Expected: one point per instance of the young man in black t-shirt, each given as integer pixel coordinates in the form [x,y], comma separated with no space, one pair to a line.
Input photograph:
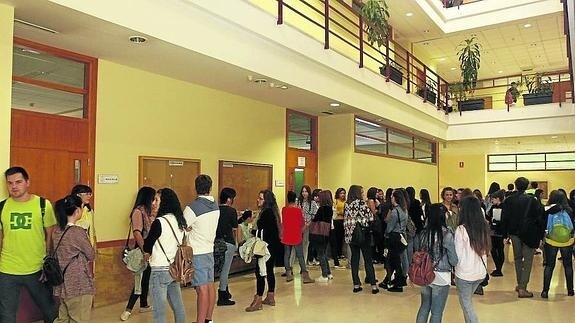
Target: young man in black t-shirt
[227,227]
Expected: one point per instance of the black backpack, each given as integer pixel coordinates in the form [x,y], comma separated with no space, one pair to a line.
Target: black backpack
[220,248]
[52,273]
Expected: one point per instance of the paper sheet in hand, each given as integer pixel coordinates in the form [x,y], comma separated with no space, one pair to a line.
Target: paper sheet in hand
[497,214]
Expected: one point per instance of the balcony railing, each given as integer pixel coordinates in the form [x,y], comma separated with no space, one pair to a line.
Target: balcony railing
[340,28]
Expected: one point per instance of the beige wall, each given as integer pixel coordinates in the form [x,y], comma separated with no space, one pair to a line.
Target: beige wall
[335,151]
[141,113]
[6,34]
[471,175]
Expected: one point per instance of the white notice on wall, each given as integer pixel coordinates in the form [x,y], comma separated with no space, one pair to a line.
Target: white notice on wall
[301,162]
[108,179]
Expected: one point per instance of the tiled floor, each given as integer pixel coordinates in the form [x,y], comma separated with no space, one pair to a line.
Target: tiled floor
[335,302]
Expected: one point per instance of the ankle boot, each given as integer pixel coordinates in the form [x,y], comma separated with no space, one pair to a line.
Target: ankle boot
[223,299]
[256,304]
[228,295]
[270,300]
[289,276]
[306,279]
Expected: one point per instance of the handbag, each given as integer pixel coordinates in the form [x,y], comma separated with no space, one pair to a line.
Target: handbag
[485,281]
[320,228]
[260,247]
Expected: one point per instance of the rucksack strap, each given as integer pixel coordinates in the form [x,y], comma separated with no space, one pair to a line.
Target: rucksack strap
[175,236]
[60,240]
[42,209]
[2,207]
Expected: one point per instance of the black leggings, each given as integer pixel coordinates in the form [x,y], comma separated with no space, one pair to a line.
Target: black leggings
[497,252]
[261,280]
[339,235]
[144,296]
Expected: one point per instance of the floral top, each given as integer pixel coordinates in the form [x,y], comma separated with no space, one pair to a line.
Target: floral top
[356,212]
[309,211]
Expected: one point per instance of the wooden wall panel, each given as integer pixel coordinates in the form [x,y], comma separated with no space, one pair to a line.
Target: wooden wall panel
[114,282]
[40,130]
[247,179]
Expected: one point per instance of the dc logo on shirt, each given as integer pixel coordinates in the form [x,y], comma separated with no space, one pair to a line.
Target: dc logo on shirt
[21,221]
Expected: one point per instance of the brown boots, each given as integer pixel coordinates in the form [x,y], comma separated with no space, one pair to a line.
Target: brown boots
[306,279]
[256,304]
[289,276]
[270,300]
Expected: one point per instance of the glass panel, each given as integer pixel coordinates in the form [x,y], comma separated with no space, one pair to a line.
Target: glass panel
[501,167]
[370,129]
[32,63]
[421,155]
[560,156]
[399,138]
[501,82]
[371,145]
[501,158]
[531,158]
[531,166]
[561,165]
[45,100]
[423,145]
[299,141]
[400,151]
[300,123]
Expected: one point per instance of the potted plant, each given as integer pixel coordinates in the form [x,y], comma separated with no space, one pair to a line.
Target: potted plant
[375,15]
[469,52]
[431,86]
[540,89]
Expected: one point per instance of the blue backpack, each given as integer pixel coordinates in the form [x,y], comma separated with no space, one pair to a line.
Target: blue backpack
[559,227]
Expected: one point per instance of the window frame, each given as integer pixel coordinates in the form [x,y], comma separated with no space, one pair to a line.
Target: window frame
[387,143]
[516,162]
[312,134]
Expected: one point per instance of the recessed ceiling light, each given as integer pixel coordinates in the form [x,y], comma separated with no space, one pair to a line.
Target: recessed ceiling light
[409,14]
[138,39]
[426,31]
[527,25]
[442,59]
[334,104]
[283,87]
[533,44]
[453,68]
[554,137]
[425,43]
[499,72]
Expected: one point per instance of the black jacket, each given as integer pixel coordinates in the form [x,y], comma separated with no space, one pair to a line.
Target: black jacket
[522,216]
[416,214]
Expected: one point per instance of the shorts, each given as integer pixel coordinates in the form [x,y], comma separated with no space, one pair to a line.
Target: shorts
[204,269]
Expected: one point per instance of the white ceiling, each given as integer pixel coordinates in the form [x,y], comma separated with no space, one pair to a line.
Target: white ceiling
[511,145]
[508,49]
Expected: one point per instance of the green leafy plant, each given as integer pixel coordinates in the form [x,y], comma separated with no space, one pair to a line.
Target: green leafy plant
[457,92]
[469,52]
[375,14]
[538,84]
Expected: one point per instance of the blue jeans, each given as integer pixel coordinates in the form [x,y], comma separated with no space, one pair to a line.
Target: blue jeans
[433,298]
[321,249]
[465,290]
[163,287]
[299,254]
[230,252]
[10,286]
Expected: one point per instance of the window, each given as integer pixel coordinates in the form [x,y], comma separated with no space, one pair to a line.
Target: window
[48,82]
[531,162]
[301,131]
[375,138]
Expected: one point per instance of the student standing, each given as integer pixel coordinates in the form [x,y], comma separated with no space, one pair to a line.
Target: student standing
[227,227]
[292,226]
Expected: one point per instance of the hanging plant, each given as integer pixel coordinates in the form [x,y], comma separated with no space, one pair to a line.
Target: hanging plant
[375,14]
[469,52]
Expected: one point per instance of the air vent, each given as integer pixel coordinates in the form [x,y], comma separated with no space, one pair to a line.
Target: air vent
[327,112]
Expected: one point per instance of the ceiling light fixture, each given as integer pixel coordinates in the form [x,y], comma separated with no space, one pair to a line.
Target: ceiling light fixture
[453,68]
[442,59]
[409,14]
[426,31]
[138,39]
[367,123]
[283,87]
[554,137]
[527,25]
[33,25]
[425,43]
[334,104]
[499,72]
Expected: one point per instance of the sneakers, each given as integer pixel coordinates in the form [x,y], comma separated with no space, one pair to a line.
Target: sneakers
[322,279]
[496,273]
[357,289]
[330,277]
[339,267]
[523,293]
[146,309]
[125,316]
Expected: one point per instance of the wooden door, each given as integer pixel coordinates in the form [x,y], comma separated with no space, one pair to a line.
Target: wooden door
[247,179]
[309,168]
[177,174]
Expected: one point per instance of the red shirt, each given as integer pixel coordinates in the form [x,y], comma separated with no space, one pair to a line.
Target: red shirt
[292,225]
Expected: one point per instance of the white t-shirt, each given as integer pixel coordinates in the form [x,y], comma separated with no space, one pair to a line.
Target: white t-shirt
[471,266]
[202,217]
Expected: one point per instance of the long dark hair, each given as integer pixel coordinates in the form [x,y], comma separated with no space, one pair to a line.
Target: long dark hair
[434,229]
[424,196]
[81,188]
[494,187]
[66,207]
[400,199]
[325,198]
[471,217]
[372,193]
[300,199]
[170,204]
[271,203]
[558,198]
[144,199]
[354,193]
[406,197]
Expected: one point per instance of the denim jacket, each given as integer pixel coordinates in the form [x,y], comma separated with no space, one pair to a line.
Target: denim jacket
[449,258]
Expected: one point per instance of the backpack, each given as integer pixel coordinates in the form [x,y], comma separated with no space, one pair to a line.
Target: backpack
[52,273]
[182,268]
[421,268]
[410,228]
[220,248]
[559,227]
